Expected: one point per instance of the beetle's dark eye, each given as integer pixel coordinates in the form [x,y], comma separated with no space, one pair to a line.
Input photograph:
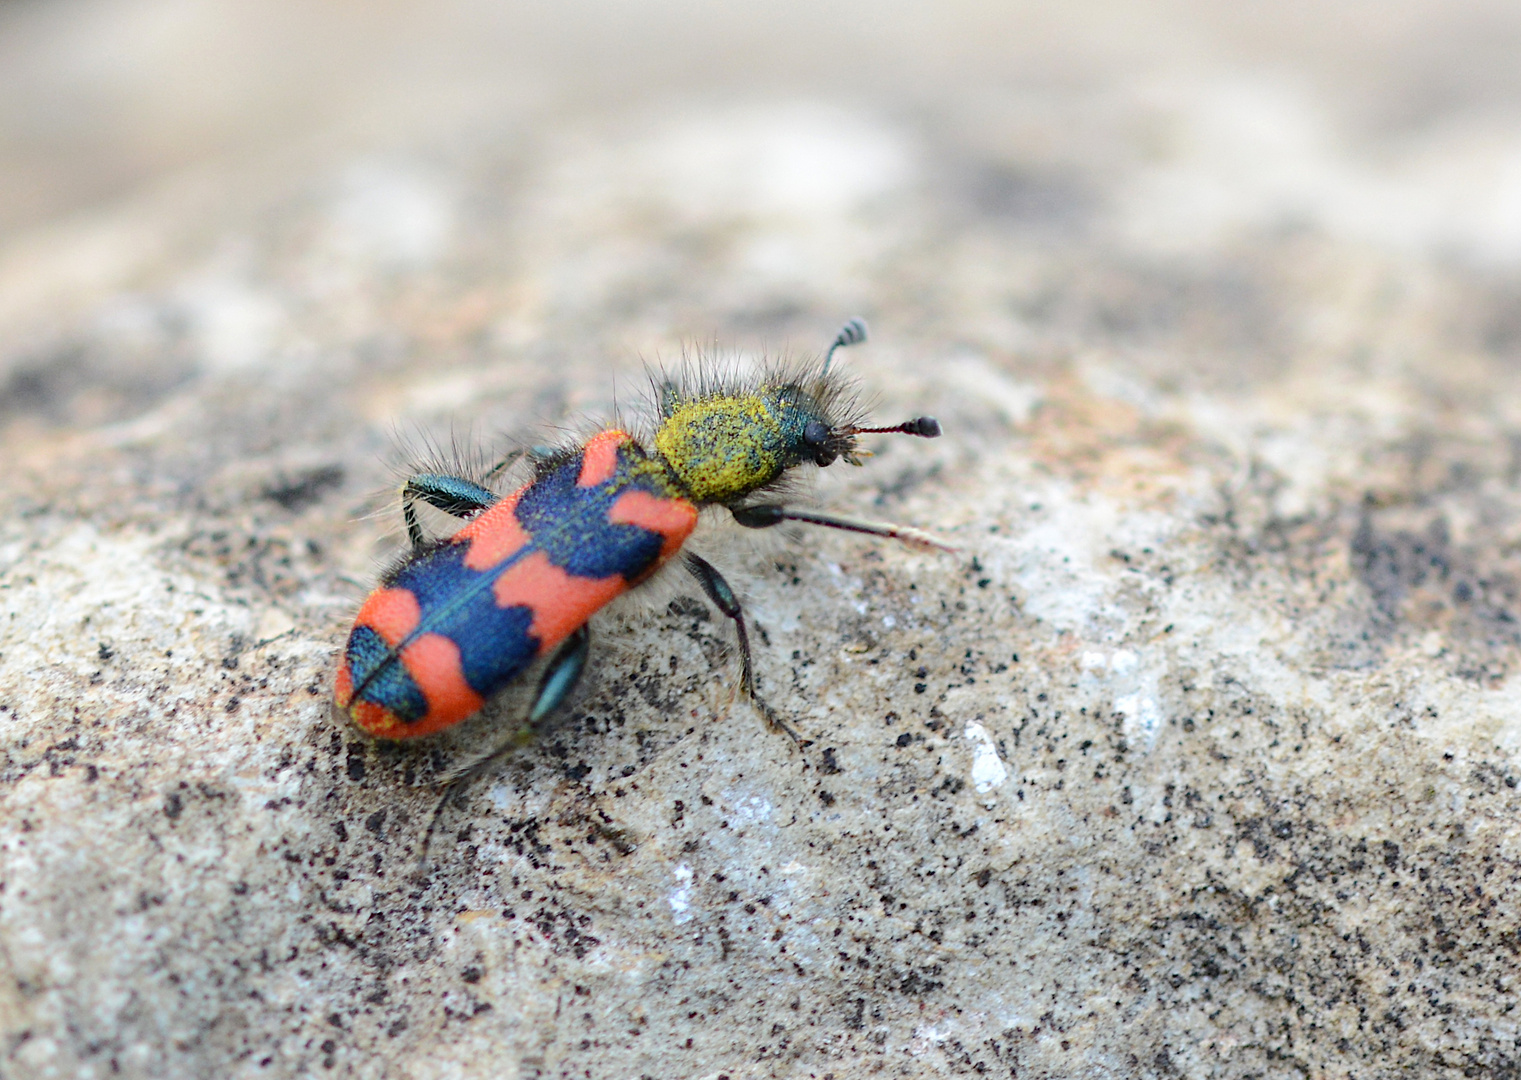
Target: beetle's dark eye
[816,435]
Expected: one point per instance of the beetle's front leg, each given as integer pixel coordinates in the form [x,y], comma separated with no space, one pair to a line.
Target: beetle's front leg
[769,515]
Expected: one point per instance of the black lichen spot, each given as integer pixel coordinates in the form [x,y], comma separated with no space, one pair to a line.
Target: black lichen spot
[302,490]
[856,1020]
[1391,563]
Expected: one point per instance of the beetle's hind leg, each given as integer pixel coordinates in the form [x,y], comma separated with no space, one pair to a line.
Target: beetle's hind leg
[452,494]
[455,495]
[559,679]
[718,591]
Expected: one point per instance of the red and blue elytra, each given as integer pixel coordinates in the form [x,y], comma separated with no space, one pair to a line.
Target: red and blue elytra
[459,619]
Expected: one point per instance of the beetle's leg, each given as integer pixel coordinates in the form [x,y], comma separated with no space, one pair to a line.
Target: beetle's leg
[767,515]
[718,591]
[559,679]
[452,494]
[562,674]
[456,495]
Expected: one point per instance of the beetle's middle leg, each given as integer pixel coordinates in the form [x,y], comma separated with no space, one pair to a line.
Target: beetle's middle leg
[718,591]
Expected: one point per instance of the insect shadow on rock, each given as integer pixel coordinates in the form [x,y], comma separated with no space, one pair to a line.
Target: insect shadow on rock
[458,619]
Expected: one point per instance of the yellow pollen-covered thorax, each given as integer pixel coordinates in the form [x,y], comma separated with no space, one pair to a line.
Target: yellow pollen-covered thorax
[721,447]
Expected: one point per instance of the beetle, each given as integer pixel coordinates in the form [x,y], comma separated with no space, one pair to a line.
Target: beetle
[459,618]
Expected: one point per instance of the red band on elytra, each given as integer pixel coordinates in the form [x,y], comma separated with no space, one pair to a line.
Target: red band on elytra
[391,613]
[599,460]
[494,536]
[433,661]
[560,602]
[673,519]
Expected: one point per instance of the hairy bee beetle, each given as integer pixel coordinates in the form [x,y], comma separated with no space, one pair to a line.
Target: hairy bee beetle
[459,618]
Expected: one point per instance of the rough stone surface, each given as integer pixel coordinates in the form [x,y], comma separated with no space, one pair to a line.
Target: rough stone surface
[1200,760]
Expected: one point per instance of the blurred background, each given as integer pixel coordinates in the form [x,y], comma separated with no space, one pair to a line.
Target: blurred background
[337,218]
[1343,116]
[1155,177]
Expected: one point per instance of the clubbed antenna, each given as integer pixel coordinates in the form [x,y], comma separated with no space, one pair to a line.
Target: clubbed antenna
[926,427]
[852,333]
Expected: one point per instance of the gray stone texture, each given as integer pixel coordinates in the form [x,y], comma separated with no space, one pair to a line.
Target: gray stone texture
[1200,759]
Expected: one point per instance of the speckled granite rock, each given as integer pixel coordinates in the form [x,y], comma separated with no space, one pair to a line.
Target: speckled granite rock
[1201,760]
